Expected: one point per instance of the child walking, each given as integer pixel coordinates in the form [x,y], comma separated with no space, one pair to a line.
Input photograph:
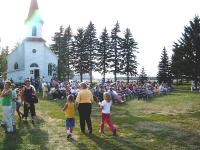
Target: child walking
[19,103]
[105,114]
[70,109]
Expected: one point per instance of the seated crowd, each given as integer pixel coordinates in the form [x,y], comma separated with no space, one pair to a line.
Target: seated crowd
[120,91]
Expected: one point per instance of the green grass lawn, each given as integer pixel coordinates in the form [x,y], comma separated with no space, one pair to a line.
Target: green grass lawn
[165,122]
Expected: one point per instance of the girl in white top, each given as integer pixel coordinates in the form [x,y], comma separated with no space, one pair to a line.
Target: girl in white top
[105,106]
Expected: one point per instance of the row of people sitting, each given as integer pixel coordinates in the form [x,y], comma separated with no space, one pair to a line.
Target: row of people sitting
[120,92]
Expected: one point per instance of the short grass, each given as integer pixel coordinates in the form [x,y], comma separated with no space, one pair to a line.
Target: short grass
[165,122]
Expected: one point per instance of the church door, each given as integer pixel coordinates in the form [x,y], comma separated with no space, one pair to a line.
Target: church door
[36,73]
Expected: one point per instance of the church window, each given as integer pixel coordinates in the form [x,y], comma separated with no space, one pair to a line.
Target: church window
[31,72]
[16,66]
[34,50]
[50,69]
[34,31]
[34,65]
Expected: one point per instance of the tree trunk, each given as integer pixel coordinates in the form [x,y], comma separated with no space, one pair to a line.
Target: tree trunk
[127,77]
[115,76]
[81,77]
[91,76]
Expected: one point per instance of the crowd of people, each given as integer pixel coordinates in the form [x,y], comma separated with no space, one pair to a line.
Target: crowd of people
[120,91]
[12,98]
[79,96]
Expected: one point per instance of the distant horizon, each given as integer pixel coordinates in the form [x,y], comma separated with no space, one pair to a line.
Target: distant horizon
[154,24]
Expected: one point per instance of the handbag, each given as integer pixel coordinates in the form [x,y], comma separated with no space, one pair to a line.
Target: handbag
[34,99]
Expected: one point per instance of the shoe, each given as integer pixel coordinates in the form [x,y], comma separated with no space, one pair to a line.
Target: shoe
[101,132]
[82,131]
[14,127]
[69,136]
[90,131]
[25,119]
[9,132]
[114,132]
[3,125]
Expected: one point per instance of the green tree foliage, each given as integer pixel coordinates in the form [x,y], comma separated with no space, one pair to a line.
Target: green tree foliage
[91,42]
[189,47]
[80,55]
[104,53]
[84,53]
[164,69]
[143,76]
[62,47]
[128,64]
[3,61]
[68,53]
[115,50]
[178,66]
[58,49]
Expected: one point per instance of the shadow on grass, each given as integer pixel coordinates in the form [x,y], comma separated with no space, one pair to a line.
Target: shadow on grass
[26,136]
[170,134]
[116,143]
[80,145]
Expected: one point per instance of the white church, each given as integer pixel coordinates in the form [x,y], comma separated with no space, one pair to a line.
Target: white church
[32,58]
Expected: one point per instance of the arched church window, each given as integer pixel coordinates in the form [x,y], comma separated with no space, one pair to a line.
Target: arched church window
[50,69]
[34,65]
[34,31]
[16,66]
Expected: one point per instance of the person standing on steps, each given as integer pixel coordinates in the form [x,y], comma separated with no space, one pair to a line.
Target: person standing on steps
[28,90]
[84,101]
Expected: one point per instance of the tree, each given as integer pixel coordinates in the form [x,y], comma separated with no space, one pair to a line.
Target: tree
[91,42]
[68,52]
[191,49]
[178,66]
[58,48]
[80,56]
[164,72]
[143,76]
[103,54]
[128,64]
[115,50]
[3,61]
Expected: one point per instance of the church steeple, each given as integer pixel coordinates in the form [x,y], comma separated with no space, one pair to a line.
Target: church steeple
[34,21]
[33,8]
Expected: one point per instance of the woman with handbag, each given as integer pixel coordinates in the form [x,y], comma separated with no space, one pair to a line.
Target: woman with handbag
[29,100]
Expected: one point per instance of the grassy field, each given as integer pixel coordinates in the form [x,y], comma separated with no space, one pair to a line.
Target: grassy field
[164,123]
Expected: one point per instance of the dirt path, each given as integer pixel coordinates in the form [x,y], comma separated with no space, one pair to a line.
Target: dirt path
[57,139]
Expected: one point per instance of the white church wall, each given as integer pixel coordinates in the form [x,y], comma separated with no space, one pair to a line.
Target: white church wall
[17,76]
[50,57]
[17,56]
[37,57]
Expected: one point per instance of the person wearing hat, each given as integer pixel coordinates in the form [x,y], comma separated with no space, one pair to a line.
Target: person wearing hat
[27,92]
[6,94]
